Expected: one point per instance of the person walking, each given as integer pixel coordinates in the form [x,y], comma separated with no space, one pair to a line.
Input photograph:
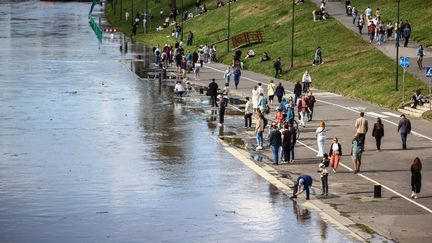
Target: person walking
[262,102]
[297,91]
[306,80]
[378,133]
[227,75]
[286,143]
[271,88]
[420,55]
[320,134]
[259,130]
[404,128]
[223,103]
[361,126]
[278,67]
[415,177]
[311,103]
[356,152]
[212,89]
[322,169]
[303,108]
[280,92]
[335,154]
[275,142]
[360,23]
[318,57]
[237,73]
[303,183]
[248,113]
[260,89]
[406,33]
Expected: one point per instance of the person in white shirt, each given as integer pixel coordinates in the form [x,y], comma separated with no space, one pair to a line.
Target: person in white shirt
[260,89]
[248,113]
[306,80]
[179,89]
[227,75]
[321,137]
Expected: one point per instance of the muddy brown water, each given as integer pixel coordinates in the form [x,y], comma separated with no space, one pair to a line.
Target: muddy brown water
[90,153]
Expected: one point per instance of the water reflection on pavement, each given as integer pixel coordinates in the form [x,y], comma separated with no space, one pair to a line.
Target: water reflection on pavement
[89,153]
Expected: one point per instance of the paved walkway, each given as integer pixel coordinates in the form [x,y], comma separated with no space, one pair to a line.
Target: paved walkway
[337,11]
[395,215]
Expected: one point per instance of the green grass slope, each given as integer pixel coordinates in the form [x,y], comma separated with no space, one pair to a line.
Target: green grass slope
[417,12]
[352,67]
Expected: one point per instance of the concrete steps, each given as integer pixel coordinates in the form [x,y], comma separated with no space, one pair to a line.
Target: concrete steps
[418,112]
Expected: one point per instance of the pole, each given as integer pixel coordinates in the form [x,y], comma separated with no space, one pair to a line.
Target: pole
[182,30]
[397,45]
[430,95]
[147,13]
[292,36]
[403,86]
[229,22]
[121,9]
[132,14]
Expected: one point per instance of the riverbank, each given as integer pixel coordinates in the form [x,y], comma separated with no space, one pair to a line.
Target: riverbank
[352,67]
[394,215]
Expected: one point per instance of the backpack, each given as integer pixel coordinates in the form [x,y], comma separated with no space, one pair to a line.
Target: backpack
[406,32]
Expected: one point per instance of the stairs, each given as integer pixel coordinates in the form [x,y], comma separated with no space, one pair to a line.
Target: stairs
[418,112]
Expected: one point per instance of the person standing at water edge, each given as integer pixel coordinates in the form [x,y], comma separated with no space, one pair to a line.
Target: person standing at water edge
[248,113]
[415,177]
[303,183]
[361,125]
[213,88]
[404,128]
[223,103]
[275,142]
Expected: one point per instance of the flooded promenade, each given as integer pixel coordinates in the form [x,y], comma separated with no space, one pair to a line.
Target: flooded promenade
[91,153]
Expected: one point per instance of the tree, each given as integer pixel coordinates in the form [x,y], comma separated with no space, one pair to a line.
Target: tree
[173,3]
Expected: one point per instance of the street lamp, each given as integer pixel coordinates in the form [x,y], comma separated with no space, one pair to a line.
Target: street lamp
[292,36]
[182,17]
[229,22]
[146,15]
[397,44]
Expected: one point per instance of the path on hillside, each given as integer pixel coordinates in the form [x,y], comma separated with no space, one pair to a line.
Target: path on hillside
[352,194]
[337,11]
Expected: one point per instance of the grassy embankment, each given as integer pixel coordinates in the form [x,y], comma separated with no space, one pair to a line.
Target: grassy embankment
[417,12]
[352,67]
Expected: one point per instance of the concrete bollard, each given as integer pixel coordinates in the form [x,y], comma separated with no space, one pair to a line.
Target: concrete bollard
[201,90]
[377,191]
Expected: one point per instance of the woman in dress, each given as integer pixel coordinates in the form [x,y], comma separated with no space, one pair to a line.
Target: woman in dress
[320,134]
[255,96]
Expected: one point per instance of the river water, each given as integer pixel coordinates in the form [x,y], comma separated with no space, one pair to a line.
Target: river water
[91,153]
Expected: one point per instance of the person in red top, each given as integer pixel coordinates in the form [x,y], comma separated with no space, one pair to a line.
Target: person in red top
[371,31]
[279,117]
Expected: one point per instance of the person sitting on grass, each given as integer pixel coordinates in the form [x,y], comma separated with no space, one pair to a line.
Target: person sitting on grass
[265,57]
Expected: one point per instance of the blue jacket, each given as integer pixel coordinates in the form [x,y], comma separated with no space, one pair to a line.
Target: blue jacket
[307,180]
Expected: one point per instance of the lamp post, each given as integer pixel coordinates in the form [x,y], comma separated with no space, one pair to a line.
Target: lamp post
[292,36]
[229,22]
[397,44]
[182,29]
[132,14]
[146,15]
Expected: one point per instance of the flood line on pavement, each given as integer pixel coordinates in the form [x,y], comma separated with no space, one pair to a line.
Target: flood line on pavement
[345,166]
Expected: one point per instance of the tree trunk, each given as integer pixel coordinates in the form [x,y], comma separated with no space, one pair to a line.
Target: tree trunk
[173,3]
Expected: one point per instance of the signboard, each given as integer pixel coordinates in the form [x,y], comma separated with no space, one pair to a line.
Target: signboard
[404,62]
[428,72]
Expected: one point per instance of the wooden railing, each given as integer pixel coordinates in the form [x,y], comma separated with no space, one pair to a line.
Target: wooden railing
[247,38]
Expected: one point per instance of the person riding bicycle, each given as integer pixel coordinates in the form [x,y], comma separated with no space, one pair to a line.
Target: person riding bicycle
[420,55]
[307,81]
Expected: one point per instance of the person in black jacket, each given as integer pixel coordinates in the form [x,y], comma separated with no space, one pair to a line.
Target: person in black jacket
[415,177]
[277,66]
[280,92]
[213,88]
[297,91]
[378,133]
[223,103]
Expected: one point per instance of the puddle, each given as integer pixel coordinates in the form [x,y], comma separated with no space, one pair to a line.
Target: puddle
[234,141]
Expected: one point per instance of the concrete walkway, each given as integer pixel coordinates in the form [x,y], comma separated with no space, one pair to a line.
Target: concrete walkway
[336,10]
[395,215]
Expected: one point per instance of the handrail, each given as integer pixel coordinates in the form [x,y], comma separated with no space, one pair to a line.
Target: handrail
[96,28]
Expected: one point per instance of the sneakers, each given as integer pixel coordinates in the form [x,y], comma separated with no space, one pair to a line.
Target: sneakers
[334,171]
[413,195]
[259,148]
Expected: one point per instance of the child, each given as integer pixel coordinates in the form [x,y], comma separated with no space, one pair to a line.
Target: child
[324,174]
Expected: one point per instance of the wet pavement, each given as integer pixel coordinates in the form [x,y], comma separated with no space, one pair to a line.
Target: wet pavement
[91,153]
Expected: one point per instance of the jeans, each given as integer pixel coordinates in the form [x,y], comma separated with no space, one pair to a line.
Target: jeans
[404,139]
[310,114]
[324,182]
[286,152]
[278,72]
[275,151]
[259,138]
[378,142]
[236,80]
[292,150]
[248,120]
[213,101]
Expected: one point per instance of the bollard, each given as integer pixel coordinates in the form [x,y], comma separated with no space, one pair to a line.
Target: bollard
[377,191]
[164,73]
[201,90]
